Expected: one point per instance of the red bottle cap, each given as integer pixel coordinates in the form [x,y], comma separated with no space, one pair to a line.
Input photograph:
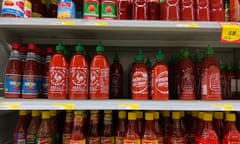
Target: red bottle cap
[32,47]
[50,50]
[16,45]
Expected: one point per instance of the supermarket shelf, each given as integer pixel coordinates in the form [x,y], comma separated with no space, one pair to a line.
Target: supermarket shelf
[114,33]
[45,104]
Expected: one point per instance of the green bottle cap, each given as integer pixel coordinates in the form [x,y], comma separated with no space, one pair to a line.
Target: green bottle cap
[116,59]
[210,51]
[198,56]
[148,63]
[222,67]
[60,46]
[100,47]
[160,56]
[185,53]
[140,56]
[79,47]
[229,67]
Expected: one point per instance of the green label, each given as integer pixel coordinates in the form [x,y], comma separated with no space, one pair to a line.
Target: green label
[31,139]
[91,9]
[109,10]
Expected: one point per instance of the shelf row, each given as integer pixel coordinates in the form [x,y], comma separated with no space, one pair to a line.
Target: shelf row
[192,105]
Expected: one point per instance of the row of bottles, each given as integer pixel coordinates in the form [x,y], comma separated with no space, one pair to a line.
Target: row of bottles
[199,10]
[58,77]
[81,127]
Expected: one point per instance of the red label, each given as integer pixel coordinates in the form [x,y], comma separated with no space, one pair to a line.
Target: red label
[140,85]
[66,138]
[78,141]
[128,141]
[107,140]
[44,141]
[144,141]
[94,140]
[187,84]
[177,140]
[160,82]
[211,86]
[207,141]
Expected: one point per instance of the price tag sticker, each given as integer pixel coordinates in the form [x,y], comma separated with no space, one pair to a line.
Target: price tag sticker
[191,25]
[129,106]
[98,23]
[230,33]
[10,106]
[64,22]
[64,106]
[225,107]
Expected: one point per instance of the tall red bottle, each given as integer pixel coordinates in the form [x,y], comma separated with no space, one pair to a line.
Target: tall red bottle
[187,10]
[99,75]
[33,128]
[158,128]
[170,10]
[132,135]
[139,10]
[13,76]
[187,77]
[107,136]
[49,54]
[153,9]
[210,73]
[20,132]
[123,9]
[139,83]
[67,130]
[58,75]
[121,127]
[78,75]
[218,124]
[202,12]
[197,66]
[216,10]
[149,133]
[78,135]
[231,133]
[116,79]
[94,128]
[165,123]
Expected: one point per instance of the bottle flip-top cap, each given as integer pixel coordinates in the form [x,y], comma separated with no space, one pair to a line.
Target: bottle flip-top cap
[16,45]
[35,113]
[156,115]
[45,115]
[176,115]
[60,46]
[230,117]
[209,51]
[79,47]
[160,55]
[116,59]
[207,117]
[122,114]
[218,115]
[149,116]
[132,116]
[100,47]
[186,53]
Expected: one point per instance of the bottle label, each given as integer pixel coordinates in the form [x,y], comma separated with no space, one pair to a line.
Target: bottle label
[78,80]
[31,139]
[177,140]
[19,138]
[13,84]
[94,119]
[187,83]
[160,81]
[128,141]
[94,140]
[57,80]
[107,140]
[99,81]
[15,7]
[91,9]
[30,84]
[78,120]
[44,140]
[140,83]
[211,87]
[66,9]
[119,140]
[66,138]
[27,9]
[144,141]
[233,85]
[108,118]
[207,141]
[83,141]
[108,10]
[115,81]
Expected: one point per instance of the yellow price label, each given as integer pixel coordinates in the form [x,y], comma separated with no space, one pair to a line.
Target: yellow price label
[193,25]
[11,106]
[129,106]
[70,23]
[99,23]
[225,107]
[65,106]
[230,33]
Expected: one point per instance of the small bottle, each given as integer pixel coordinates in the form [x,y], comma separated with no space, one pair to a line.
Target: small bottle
[158,128]
[197,66]
[67,130]
[45,134]
[187,10]
[121,127]
[37,8]
[139,122]
[149,133]
[78,134]
[33,128]
[217,10]
[107,129]
[132,135]
[139,10]
[218,124]
[165,125]
[20,132]
[123,9]
[94,128]
[13,76]
[91,9]
[66,9]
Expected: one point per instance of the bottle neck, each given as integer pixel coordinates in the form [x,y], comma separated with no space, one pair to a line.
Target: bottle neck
[132,126]
[69,118]
[229,125]
[149,124]
[208,125]
[177,123]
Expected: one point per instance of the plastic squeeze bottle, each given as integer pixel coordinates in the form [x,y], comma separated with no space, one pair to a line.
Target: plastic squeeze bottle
[107,136]
[149,133]
[33,127]
[121,127]
[78,134]
[20,132]
[218,124]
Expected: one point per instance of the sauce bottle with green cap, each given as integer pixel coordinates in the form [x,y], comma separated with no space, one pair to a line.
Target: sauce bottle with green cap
[99,75]
[78,75]
[198,57]
[210,74]
[58,74]
[187,77]
[139,82]
[116,79]
[160,78]
[223,80]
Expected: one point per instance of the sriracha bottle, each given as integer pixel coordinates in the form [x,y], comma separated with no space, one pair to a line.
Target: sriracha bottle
[121,127]
[139,10]
[99,75]
[210,74]
[123,9]
[67,130]
[231,133]
[170,10]
[218,124]
[58,75]
[107,129]
[33,128]
[187,10]
[94,128]
[158,128]
[187,77]
[217,10]
[139,84]
[149,132]
[202,12]
[45,134]
[132,135]
[78,75]
[20,132]
[78,133]
[13,80]
[116,79]
[160,78]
